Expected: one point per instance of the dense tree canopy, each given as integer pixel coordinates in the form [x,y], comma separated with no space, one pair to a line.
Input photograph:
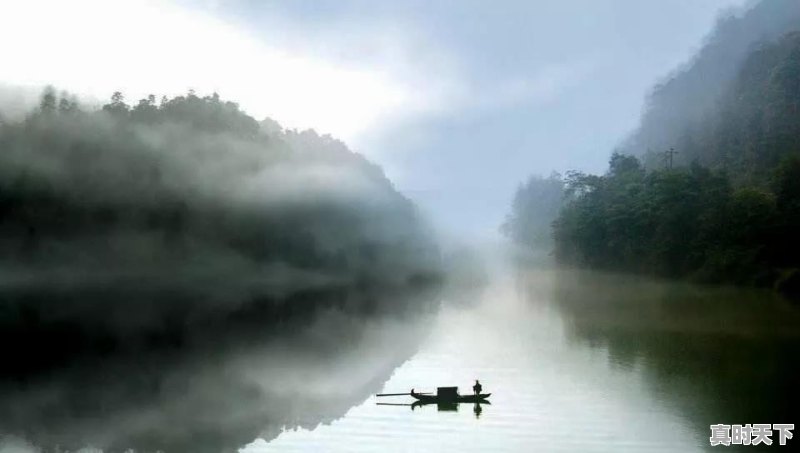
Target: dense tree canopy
[688,221]
[724,207]
[192,180]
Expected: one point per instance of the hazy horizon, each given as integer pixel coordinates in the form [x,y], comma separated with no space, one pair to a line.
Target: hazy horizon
[357,225]
[458,103]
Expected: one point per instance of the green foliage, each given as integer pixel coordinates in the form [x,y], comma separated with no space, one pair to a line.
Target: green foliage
[685,222]
[195,180]
[47,103]
[787,185]
[728,210]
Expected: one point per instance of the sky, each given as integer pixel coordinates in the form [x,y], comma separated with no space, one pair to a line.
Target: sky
[458,100]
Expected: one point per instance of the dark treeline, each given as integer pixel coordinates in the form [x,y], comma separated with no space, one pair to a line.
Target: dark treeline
[194,181]
[725,205]
[176,265]
[147,229]
[683,222]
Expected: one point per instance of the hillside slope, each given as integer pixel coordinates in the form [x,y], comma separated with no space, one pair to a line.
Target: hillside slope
[194,184]
[679,107]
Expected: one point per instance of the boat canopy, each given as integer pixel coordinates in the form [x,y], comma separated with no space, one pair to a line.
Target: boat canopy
[447,392]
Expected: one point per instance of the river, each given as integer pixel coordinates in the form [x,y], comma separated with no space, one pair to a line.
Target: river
[583,362]
[575,361]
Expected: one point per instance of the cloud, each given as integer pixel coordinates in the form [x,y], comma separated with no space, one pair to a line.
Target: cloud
[543,86]
[95,47]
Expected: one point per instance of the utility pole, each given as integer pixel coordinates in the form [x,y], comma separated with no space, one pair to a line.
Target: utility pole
[668,155]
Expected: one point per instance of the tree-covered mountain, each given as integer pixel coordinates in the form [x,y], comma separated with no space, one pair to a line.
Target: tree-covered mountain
[162,228]
[193,185]
[758,119]
[695,94]
[724,204]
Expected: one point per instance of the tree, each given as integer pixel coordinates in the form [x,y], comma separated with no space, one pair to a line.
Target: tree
[48,101]
[67,104]
[117,106]
[146,110]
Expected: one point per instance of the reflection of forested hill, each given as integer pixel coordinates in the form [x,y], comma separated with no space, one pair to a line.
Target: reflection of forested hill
[176,276]
[722,355]
[208,379]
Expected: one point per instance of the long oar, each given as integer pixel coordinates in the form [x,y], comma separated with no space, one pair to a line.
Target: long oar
[400,394]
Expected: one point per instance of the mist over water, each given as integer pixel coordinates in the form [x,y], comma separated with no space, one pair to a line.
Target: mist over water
[179,275]
[580,361]
[575,361]
[209,383]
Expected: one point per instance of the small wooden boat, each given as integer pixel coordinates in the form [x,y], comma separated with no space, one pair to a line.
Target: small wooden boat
[449,395]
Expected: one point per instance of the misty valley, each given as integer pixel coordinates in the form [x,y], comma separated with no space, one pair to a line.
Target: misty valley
[324,227]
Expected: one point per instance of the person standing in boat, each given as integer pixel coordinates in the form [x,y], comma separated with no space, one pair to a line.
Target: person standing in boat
[477,387]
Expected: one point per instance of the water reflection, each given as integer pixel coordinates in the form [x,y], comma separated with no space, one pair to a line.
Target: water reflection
[477,410]
[207,379]
[575,362]
[452,407]
[720,355]
[582,362]
[440,406]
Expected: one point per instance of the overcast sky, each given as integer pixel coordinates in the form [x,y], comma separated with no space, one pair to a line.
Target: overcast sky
[458,100]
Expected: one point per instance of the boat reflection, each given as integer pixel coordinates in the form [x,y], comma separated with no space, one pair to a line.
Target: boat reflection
[442,406]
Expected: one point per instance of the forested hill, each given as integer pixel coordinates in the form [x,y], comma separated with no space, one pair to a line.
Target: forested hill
[725,205]
[758,118]
[681,107]
[193,188]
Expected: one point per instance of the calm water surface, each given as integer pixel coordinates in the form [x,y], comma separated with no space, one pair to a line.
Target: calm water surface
[575,362]
[581,362]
